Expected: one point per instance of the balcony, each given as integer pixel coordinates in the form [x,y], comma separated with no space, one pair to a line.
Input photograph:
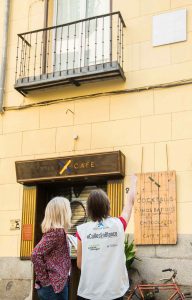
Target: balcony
[70,54]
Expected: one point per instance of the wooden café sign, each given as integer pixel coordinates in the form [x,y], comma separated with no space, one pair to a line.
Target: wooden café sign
[110,164]
[155,209]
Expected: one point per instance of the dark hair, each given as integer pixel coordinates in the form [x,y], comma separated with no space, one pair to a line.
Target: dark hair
[98,205]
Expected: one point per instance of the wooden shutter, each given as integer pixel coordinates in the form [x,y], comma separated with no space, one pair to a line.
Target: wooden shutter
[115,194]
[28,221]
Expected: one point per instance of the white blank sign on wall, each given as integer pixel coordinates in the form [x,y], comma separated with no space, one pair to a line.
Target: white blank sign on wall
[170,27]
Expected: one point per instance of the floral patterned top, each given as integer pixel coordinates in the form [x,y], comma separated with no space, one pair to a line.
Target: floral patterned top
[51,259]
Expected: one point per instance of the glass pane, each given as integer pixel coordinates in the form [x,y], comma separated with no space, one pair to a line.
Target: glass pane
[68,11]
[81,44]
[97,7]
[97,32]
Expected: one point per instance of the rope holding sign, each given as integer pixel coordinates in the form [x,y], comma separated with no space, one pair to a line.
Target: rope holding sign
[167,158]
[142,159]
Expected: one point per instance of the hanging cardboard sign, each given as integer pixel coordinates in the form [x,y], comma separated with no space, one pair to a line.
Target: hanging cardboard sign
[155,209]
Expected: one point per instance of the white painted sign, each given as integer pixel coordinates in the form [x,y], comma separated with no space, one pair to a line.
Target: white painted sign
[170,27]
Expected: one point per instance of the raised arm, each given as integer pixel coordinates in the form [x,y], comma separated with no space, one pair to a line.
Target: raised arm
[129,200]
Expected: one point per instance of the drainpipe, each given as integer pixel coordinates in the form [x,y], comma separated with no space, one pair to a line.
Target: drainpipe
[4,52]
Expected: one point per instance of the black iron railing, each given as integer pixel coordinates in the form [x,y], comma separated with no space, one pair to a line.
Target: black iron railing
[67,49]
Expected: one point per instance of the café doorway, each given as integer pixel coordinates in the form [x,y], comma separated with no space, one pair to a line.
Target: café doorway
[77,193]
[72,177]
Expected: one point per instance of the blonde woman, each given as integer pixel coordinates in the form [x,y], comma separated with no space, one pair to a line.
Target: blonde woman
[51,255]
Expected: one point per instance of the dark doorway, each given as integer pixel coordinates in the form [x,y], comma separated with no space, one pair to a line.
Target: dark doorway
[72,191]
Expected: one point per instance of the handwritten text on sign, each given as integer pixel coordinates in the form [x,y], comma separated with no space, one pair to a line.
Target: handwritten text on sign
[155,209]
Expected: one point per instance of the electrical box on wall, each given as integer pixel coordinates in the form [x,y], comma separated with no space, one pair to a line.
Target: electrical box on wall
[15,224]
[170,27]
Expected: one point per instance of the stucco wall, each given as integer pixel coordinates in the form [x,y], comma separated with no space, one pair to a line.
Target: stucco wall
[149,119]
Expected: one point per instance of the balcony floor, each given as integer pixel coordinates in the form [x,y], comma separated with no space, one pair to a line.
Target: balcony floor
[75,76]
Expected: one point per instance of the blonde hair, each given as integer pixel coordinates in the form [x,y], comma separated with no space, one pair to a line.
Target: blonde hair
[57,214]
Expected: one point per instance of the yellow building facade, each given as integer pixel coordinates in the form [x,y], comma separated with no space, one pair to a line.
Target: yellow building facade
[148,117]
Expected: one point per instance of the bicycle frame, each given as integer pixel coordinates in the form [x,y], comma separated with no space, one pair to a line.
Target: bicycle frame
[141,288]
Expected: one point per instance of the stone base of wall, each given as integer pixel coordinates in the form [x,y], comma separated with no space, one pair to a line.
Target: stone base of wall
[156,258]
[15,279]
[16,275]
[16,289]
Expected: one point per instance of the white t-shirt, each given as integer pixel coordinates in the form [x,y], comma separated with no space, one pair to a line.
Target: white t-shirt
[103,271]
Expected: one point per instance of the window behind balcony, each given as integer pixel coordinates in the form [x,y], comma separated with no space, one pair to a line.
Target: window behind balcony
[84,43]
